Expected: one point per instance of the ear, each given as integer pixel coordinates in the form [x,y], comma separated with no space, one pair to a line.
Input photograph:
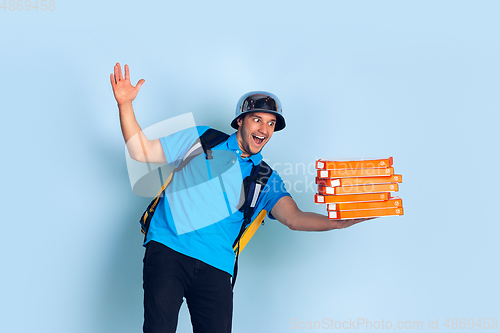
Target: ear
[239,121]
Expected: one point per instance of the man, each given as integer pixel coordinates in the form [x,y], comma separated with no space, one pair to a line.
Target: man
[195,260]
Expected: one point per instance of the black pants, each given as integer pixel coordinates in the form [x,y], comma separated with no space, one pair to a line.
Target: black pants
[169,277]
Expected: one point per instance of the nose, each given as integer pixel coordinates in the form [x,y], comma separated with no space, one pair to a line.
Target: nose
[263,128]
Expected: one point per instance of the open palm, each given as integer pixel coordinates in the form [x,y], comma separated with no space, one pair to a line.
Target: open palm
[345,223]
[123,90]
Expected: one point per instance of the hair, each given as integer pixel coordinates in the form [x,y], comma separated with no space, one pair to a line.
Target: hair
[242,117]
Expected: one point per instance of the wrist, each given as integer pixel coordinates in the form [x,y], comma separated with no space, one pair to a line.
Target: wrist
[337,224]
[126,108]
[124,104]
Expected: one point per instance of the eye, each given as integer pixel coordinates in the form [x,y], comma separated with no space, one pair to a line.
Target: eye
[256,119]
[271,123]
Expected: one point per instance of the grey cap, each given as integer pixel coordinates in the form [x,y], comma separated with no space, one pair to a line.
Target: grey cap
[260,101]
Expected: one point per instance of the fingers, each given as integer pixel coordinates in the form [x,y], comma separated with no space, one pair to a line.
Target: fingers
[118,72]
[118,76]
[355,221]
[346,223]
[139,84]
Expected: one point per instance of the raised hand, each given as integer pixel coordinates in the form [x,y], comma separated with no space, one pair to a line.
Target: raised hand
[123,90]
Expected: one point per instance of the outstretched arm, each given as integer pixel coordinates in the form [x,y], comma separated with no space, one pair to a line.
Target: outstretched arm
[287,212]
[139,147]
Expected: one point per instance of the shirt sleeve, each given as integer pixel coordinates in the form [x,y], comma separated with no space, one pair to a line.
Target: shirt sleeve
[176,145]
[275,190]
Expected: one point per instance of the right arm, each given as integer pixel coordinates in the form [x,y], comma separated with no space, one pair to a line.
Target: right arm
[139,147]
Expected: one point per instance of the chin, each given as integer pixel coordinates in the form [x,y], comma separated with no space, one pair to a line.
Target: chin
[257,150]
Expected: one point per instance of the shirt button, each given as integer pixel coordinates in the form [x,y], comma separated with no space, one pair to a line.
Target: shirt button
[234,161]
[237,152]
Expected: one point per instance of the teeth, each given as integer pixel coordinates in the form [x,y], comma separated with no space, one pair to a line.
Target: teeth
[259,137]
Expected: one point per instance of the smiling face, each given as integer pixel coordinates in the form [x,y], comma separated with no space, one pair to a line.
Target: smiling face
[255,130]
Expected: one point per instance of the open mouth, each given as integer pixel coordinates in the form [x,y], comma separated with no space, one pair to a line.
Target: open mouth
[258,139]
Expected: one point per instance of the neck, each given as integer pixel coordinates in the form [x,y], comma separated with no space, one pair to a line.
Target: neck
[239,140]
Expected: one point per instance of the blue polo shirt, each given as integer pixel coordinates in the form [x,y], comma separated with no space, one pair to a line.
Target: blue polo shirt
[199,215]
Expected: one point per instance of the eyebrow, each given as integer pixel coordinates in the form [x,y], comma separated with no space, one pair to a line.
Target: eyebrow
[274,119]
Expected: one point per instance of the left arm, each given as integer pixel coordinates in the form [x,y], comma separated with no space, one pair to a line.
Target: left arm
[287,212]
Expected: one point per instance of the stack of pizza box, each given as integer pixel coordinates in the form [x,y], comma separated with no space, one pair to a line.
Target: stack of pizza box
[358,189]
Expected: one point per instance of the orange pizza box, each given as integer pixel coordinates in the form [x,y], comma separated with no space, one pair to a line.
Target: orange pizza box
[366,172]
[354,214]
[332,182]
[323,199]
[369,188]
[360,164]
[391,203]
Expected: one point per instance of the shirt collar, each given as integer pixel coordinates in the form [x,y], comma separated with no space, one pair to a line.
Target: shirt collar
[232,144]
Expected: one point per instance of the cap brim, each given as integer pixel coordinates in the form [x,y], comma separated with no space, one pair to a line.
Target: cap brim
[280,121]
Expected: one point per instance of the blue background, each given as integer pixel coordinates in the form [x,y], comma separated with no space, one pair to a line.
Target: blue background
[417,80]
